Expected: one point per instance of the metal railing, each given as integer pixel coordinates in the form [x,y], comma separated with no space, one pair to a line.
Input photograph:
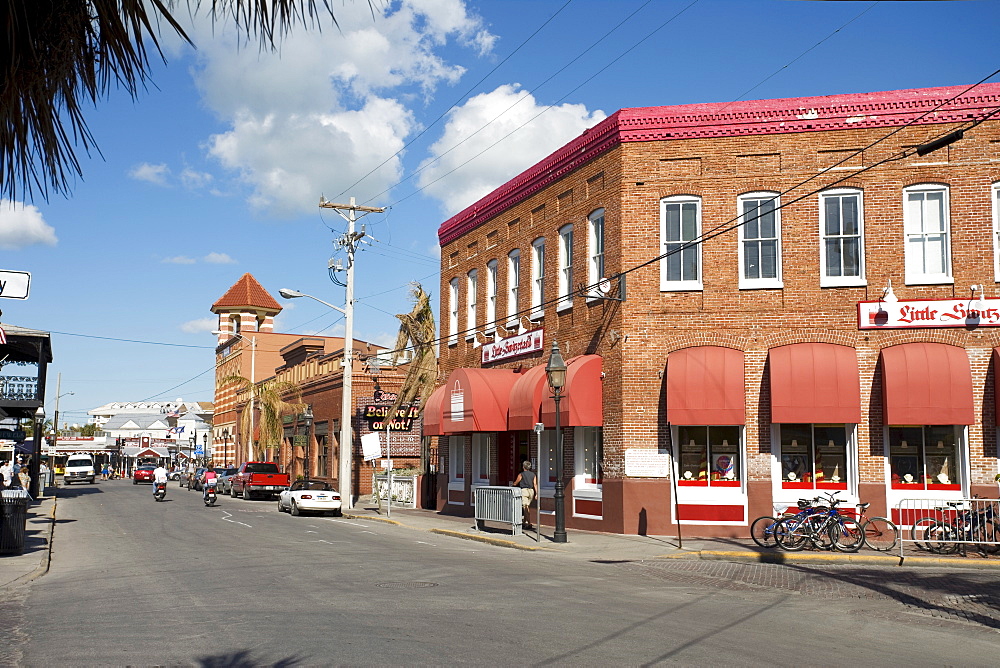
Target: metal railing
[949,526]
[499,504]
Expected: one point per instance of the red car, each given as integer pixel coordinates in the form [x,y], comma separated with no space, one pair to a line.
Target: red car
[143,474]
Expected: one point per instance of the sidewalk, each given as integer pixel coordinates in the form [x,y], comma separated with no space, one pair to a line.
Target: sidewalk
[16,569]
[595,546]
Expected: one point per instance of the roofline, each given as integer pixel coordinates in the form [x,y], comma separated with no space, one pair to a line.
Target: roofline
[727,119]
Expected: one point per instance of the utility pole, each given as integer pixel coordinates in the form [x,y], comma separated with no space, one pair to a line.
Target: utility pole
[349,242]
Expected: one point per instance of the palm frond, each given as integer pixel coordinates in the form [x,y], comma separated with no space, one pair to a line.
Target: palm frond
[417,327]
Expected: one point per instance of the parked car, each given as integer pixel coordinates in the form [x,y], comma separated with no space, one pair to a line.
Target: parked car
[258,479]
[313,496]
[175,474]
[143,474]
[225,486]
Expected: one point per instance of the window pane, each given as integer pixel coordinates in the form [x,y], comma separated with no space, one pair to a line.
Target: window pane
[852,257]
[934,212]
[724,445]
[833,258]
[751,259]
[767,219]
[769,259]
[689,223]
[672,222]
[752,226]
[796,453]
[689,257]
[694,453]
[831,206]
[849,215]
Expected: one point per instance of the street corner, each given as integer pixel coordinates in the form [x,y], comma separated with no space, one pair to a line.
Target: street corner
[374,518]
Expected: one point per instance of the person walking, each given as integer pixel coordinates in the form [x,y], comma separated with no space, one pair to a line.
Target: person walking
[6,475]
[527,481]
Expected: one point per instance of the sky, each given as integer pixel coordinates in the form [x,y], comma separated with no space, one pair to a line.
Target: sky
[421,107]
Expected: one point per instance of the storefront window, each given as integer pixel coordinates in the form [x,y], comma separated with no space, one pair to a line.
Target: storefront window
[456,458]
[709,456]
[814,456]
[547,459]
[588,456]
[924,458]
[481,459]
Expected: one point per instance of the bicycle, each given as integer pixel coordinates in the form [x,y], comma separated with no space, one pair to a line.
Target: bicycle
[976,527]
[880,534]
[826,529]
[762,528]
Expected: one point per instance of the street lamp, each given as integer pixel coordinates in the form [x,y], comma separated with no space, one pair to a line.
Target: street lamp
[204,447]
[307,418]
[36,455]
[347,396]
[253,379]
[556,372]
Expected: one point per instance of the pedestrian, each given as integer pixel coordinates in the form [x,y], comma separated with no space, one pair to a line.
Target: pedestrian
[6,474]
[104,472]
[527,481]
[24,477]
[15,471]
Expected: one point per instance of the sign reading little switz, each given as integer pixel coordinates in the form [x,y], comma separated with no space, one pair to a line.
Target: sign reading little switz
[514,346]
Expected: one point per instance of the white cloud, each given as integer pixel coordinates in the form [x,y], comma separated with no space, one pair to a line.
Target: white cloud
[493,157]
[200,325]
[219,258]
[155,174]
[329,106]
[194,180]
[23,225]
[178,259]
[435,250]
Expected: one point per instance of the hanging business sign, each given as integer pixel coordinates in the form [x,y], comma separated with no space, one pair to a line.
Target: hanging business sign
[924,313]
[514,346]
[401,421]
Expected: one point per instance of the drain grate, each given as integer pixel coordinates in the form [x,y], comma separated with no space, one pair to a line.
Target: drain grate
[406,585]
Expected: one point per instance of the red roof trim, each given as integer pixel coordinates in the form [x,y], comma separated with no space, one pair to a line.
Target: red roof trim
[717,119]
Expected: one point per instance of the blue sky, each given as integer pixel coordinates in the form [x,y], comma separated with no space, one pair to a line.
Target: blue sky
[217,168]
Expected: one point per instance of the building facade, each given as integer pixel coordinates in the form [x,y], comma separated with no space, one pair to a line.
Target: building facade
[770,299]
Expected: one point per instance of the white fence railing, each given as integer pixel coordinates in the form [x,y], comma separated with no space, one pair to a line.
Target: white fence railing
[402,493]
[499,504]
[947,526]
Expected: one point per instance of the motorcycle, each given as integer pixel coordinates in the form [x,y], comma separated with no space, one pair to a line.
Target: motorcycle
[159,490]
[210,494]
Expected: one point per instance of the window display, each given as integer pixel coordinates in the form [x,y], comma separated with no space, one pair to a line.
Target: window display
[814,456]
[924,458]
[709,456]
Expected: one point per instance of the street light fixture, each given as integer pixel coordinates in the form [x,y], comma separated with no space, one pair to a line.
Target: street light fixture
[556,372]
[253,380]
[347,396]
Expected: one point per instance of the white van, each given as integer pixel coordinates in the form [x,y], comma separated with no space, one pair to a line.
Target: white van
[79,467]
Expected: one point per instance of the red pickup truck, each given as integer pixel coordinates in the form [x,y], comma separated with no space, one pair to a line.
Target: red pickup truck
[258,479]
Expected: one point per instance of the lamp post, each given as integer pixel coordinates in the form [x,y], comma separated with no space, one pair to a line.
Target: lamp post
[556,372]
[204,447]
[347,396]
[253,380]
[307,418]
[36,455]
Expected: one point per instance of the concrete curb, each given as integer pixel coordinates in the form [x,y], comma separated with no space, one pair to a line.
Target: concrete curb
[375,518]
[488,539]
[855,559]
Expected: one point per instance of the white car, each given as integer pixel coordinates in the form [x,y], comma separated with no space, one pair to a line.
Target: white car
[309,496]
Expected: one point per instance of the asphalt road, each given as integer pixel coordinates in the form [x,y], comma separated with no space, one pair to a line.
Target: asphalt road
[134,582]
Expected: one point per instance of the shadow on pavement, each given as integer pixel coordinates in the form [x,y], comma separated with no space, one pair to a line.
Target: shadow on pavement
[74,491]
[244,659]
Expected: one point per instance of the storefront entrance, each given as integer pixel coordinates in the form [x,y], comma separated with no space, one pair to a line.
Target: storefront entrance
[512,449]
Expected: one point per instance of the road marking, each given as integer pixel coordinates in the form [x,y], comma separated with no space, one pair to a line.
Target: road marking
[234,521]
[341,521]
[422,542]
[312,532]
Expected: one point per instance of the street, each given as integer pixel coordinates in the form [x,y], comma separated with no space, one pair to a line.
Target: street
[134,582]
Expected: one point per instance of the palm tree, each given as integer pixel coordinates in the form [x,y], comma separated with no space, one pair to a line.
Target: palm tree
[268,399]
[416,327]
[58,56]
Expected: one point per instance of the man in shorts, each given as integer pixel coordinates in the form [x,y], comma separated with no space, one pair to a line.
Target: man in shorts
[527,481]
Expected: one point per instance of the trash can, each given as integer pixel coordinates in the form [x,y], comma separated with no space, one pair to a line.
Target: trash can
[13,520]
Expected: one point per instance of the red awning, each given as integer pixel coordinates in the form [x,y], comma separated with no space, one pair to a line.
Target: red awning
[526,399]
[477,400]
[432,413]
[815,382]
[927,383]
[705,386]
[582,404]
[996,385]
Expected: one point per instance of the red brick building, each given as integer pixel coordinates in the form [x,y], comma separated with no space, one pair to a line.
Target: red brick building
[789,309]
[248,347]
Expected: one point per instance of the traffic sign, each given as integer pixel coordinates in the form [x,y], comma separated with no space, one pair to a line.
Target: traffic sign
[14,284]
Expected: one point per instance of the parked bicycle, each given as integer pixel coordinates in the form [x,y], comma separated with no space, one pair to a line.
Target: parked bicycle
[878,533]
[955,528]
[826,529]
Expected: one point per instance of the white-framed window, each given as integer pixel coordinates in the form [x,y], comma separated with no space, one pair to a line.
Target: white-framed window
[513,284]
[537,278]
[709,456]
[588,446]
[680,225]
[456,458]
[996,231]
[547,459]
[565,267]
[481,459]
[923,458]
[471,297]
[926,227]
[595,252]
[453,312]
[817,456]
[842,241]
[760,240]
[491,295]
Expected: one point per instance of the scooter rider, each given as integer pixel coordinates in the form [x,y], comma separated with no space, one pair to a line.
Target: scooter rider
[159,476]
[208,478]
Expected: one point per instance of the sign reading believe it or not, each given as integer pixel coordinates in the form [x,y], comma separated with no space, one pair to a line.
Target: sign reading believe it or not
[922,313]
[401,421]
[514,346]
[646,463]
